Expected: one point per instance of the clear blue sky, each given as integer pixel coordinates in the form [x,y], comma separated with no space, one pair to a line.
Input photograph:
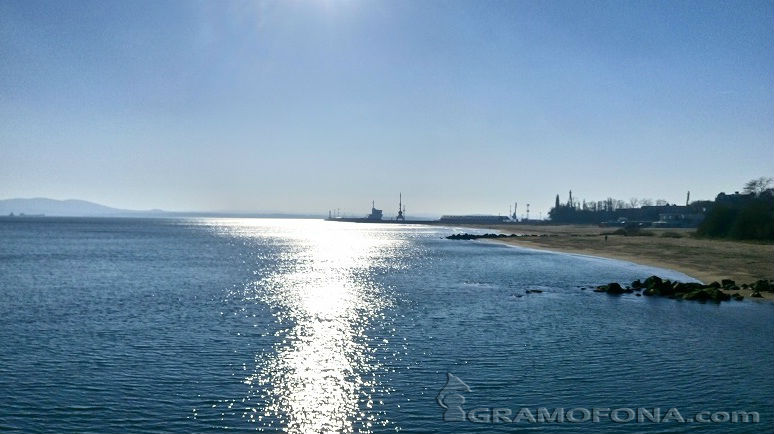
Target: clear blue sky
[303,106]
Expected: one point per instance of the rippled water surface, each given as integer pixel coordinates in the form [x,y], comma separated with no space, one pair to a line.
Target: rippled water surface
[207,325]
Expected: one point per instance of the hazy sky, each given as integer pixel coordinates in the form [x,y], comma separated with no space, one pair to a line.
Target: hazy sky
[303,106]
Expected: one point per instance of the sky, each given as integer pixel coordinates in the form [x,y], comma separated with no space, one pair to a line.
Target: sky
[306,106]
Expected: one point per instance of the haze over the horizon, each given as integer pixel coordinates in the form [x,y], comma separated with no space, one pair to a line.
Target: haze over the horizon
[307,106]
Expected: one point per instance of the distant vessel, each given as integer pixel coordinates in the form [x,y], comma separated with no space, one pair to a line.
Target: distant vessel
[376,214]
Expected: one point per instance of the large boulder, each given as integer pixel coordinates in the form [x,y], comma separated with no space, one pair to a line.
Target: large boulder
[707,294]
[727,283]
[652,282]
[610,288]
[662,287]
[763,286]
[680,288]
[614,288]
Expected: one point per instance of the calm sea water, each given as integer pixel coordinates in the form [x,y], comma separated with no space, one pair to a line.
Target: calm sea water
[208,325]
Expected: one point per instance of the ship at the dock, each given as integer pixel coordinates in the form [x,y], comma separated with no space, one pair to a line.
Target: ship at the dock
[377,215]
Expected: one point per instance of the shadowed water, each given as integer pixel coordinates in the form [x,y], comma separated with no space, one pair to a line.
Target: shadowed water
[205,325]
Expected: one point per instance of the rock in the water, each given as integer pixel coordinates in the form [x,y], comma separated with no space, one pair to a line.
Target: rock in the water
[652,282]
[707,294]
[533,291]
[680,287]
[727,283]
[612,288]
[763,285]
[756,294]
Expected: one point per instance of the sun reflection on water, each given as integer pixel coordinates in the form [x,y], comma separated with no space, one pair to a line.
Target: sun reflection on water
[321,374]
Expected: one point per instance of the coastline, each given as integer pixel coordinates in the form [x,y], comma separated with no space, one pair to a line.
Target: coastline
[702,259]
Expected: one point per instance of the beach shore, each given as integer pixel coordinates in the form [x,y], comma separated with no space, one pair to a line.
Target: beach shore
[703,259]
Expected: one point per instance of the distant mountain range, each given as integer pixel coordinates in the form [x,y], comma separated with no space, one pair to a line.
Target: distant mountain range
[82,208]
[67,208]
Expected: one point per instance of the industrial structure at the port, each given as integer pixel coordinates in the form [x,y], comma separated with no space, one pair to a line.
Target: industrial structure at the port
[376,216]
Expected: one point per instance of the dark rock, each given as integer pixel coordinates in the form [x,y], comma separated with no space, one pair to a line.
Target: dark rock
[614,288]
[698,294]
[662,287]
[467,236]
[763,285]
[652,282]
[680,287]
[707,294]
[714,285]
[533,291]
[719,296]
[638,294]
[727,283]
[637,284]
[738,297]
[756,294]
[666,288]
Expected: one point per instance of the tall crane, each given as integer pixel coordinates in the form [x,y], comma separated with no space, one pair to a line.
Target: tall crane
[401,208]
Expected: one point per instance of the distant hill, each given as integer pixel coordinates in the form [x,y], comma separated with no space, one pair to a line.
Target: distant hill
[66,208]
[82,208]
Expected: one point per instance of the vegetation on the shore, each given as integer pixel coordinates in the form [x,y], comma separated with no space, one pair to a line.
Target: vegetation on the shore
[740,216]
[715,291]
[751,217]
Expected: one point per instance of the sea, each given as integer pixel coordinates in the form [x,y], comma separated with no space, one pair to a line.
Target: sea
[289,325]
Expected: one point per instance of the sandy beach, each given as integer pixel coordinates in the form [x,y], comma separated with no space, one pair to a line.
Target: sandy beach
[705,260]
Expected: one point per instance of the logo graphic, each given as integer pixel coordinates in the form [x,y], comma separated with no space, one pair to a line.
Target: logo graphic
[450,398]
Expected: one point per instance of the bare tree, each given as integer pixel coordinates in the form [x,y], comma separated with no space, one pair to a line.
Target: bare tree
[758,186]
[634,202]
[661,202]
[646,202]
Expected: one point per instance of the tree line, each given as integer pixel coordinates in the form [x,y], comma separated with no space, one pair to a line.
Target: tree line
[744,217]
